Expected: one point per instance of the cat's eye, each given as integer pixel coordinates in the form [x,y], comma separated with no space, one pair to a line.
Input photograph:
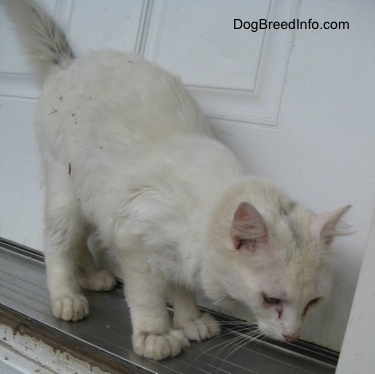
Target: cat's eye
[271,300]
[311,303]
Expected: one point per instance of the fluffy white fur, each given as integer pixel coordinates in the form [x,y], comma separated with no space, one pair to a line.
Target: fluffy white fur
[129,159]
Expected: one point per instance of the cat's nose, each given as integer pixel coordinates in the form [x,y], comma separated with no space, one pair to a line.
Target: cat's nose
[290,338]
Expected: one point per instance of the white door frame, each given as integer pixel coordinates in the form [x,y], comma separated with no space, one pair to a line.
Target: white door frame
[357,354]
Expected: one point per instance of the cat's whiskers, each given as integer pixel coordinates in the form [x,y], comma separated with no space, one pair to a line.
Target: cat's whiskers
[240,343]
[236,343]
[242,335]
[210,342]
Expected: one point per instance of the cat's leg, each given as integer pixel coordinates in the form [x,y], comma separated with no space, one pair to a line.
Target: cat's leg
[145,291]
[64,234]
[187,316]
[88,275]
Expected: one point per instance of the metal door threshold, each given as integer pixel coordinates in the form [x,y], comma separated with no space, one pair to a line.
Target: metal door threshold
[104,338]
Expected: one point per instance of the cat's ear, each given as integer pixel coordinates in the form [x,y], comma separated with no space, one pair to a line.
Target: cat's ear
[248,227]
[326,226]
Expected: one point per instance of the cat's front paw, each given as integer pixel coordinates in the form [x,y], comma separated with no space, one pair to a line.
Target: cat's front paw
[159,346]
[71,307]
[202,328]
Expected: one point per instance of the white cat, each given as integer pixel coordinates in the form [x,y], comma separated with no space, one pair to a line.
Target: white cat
[129,157]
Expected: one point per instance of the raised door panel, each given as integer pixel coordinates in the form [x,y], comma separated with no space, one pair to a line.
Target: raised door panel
[236,74]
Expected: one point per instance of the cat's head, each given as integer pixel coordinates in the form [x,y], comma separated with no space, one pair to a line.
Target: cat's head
[272,259]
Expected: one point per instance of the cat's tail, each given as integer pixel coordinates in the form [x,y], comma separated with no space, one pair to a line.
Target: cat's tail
[44,41]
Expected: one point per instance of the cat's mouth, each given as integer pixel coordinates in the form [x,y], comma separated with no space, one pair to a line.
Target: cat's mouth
[291,338]
[275,333]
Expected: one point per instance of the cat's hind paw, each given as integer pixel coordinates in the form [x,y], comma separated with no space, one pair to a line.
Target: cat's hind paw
[204,327]
[102,280]
[70,308]
[159,346]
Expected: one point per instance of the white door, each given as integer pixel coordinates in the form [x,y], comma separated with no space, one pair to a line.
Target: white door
[296,106]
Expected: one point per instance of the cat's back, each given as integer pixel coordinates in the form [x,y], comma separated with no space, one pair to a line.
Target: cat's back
[112,95]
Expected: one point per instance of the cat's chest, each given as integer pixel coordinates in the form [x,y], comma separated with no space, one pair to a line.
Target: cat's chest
[177,260]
